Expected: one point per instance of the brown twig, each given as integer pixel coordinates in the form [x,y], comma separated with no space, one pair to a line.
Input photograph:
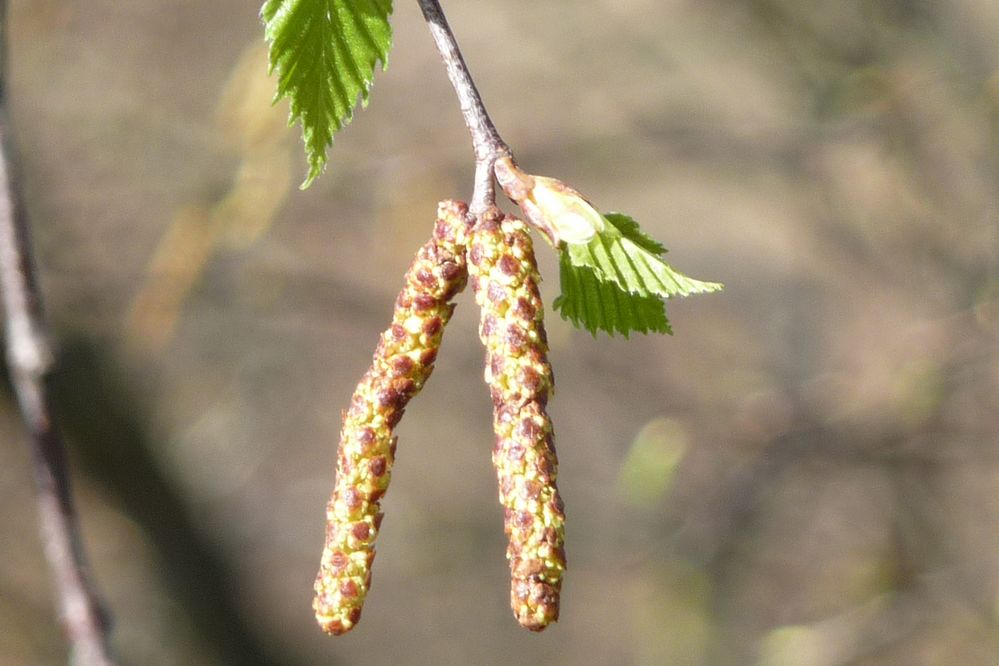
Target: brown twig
[486,141]
[30,359]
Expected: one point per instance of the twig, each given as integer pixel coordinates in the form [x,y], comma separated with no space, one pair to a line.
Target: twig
[485,139]
[30,359]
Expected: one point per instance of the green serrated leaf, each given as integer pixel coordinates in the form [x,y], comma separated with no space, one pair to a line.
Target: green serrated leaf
[630,230]
[325,53]
[631,259]
[595,305]
[616,281]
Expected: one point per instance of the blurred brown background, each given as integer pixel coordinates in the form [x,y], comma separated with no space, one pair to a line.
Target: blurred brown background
[805,474]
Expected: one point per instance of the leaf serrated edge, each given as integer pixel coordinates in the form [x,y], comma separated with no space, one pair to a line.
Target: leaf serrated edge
[352,25]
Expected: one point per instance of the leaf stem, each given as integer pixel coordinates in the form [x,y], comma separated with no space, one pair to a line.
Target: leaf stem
[30,359]
[486,141]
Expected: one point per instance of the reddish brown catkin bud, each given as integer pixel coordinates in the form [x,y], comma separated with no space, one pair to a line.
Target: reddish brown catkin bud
[505,278]
[402,363]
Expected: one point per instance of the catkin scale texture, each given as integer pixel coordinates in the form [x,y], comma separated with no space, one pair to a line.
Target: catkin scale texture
[505,279]
[402,363]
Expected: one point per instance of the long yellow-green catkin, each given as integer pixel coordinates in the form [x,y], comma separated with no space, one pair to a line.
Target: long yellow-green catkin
[505,279]
[402,363]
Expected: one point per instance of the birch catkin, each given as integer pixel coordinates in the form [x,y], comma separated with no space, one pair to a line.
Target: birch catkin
[402,363]
[505,278]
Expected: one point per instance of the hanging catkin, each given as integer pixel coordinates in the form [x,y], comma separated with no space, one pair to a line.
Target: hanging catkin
[402,363]
[505,278]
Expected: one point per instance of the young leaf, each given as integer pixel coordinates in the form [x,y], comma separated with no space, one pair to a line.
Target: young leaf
[325,52]
[616,281]
[590,303]
[630,230]
[625,255]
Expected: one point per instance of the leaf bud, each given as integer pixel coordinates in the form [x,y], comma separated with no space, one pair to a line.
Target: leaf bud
[557,210]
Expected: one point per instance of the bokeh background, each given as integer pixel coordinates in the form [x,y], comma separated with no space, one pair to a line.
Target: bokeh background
[806,474]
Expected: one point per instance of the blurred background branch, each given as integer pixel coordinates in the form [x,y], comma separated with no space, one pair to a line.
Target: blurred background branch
[30,360]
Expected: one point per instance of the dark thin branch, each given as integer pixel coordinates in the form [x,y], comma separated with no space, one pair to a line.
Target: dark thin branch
[485,139]
[30,359]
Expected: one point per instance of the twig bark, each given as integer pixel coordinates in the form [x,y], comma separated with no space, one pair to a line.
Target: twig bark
[30,359]
[486,141]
